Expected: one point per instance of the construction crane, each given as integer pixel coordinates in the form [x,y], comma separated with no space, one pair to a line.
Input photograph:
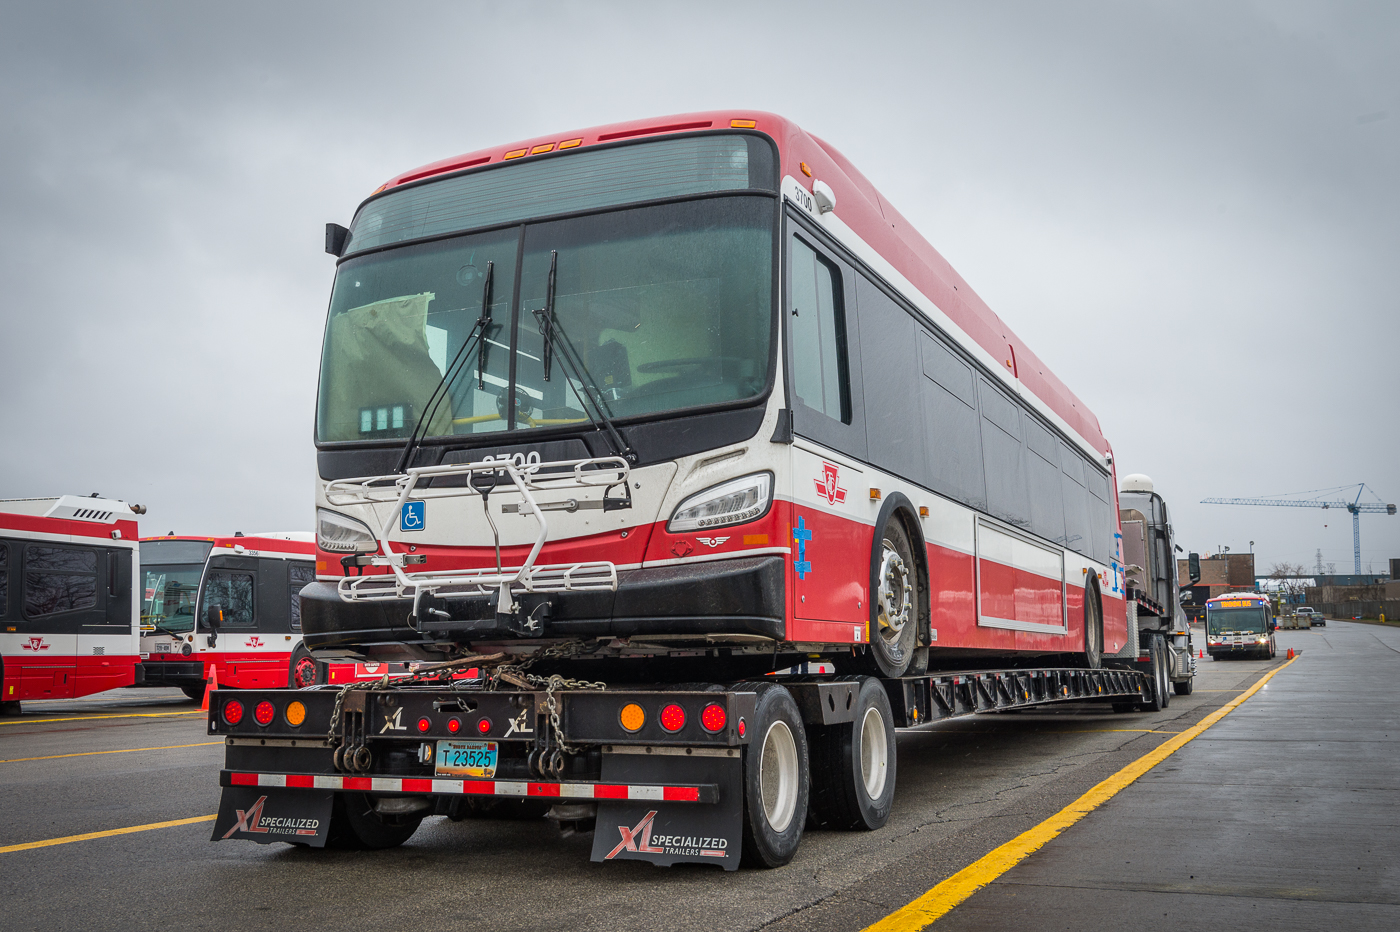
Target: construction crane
[1356,507]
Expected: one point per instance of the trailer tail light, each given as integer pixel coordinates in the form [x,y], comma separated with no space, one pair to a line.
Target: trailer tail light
[742,728]
[424,724]
[296,714]
[233,711]
[632,717]
[713,717]
[673,717]
[483,726]
[264,712]
[454,725]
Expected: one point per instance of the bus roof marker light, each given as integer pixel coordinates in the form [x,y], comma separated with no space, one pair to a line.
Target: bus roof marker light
[570,143]
[743,124]
[547,147]
[515,153]
[806,169]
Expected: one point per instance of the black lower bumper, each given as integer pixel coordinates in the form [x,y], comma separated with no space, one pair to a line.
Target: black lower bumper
[169,673]
[741,596]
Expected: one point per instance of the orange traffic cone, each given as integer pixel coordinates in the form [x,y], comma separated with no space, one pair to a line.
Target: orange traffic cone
[1290,653]
[212,685]
[1202,654]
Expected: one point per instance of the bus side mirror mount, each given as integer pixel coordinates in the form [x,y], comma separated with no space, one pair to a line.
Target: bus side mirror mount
[336,237]
[1193,561]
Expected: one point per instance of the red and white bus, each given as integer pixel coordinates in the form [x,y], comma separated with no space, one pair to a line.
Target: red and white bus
[821,440]
[231,604]
[68,602]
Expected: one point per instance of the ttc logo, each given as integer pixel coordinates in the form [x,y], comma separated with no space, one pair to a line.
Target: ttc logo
[255,641]
[36,645]
[829,485]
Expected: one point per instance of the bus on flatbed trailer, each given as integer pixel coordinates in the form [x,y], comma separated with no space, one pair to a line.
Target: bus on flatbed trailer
[231,605]
[68,602]
[677,403]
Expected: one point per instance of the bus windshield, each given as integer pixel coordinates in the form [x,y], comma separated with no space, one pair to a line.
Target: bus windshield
[1252,620]
[664,306]
[170,572]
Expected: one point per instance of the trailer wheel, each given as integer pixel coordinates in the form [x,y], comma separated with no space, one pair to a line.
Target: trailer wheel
[853,764]
[1157,650]
[776,779]
[1184,689]
[304,670]
[894,605]
[355,824]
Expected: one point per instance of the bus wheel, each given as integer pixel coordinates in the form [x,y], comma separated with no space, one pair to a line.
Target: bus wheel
[894,608]
[853,764]
[775,779]
[1093,628]
[304,670]
[355,824]
[9,708]
[194,691]
[1157,650]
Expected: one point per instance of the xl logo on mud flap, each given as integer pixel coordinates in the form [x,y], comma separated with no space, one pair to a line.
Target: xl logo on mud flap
[641,840]
[254,821]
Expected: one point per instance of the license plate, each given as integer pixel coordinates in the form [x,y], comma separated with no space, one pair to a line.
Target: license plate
[467,759]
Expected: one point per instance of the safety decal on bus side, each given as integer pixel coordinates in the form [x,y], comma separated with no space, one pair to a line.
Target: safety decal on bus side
[414,516]
[802,534]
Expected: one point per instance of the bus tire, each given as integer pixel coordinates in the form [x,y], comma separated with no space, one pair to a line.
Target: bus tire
[1093,627]
[894,604]
[194,691]
[776,779]
[303,670]
[853,764]
[355,824]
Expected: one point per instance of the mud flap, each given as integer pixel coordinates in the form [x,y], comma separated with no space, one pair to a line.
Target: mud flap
[668,833]
[266,815]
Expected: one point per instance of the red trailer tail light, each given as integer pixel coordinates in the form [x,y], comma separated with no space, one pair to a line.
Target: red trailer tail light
[264,712]
[483,726]
[713,717]
[673,717]
[454,725]
[424,724]
[233,711]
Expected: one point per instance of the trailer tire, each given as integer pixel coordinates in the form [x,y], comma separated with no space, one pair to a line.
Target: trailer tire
[1157,649]
[1184,689]
[853,764]
[776,779]
[894,603]
[303,670]
[355,824]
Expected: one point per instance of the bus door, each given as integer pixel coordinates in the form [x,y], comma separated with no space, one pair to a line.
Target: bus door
[231,633]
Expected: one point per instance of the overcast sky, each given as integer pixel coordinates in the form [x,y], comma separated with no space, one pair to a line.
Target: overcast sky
[1190,211]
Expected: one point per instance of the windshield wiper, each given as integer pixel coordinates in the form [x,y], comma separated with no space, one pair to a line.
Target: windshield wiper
[441,391]
[551,332]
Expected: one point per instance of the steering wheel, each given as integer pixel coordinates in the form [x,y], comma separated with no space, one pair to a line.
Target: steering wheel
[689,362]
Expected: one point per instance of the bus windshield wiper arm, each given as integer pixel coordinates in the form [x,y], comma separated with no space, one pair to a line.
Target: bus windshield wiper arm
[440,392]
[551,333]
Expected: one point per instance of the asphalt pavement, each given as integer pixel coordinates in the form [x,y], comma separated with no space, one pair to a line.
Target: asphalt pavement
[140,757]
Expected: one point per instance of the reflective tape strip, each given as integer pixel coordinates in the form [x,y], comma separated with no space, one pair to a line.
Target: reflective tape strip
[448,787]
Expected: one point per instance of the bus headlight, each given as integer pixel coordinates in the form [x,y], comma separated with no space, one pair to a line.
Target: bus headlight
[340,533]
[732,502]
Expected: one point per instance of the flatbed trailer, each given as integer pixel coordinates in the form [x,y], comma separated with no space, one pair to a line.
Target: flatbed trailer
[365,764]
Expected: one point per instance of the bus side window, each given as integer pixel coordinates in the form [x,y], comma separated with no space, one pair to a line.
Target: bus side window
[233,592]
[301,575]
[272,602]
[4,580]
[817,323]
[118,586]
[58,580]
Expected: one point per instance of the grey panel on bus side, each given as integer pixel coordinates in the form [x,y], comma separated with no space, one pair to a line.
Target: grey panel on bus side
[118,585]
[1076,500]
[1100,525]
[948,398]
[889,352]
[274,613]
[1003,457]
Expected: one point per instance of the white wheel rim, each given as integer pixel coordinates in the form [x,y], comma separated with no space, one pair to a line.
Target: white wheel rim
[777,776]
[874,753]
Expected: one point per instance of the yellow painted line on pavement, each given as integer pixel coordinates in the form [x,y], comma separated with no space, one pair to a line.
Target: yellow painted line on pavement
[88,718]
[166,747]
[89,836]
[937,902]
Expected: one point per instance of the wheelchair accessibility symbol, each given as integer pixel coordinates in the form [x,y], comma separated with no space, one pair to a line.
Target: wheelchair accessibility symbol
[413,516]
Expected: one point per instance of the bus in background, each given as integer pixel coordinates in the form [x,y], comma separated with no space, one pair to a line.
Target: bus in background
[231,603]
[68,601]
[1240,624]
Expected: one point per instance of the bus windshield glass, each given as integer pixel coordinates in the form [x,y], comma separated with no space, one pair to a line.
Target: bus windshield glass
[170,572]
[664,307]
[1252,620]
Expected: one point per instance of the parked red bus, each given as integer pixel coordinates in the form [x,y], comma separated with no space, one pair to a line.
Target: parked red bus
[231,603]
[68,601]
[831,444]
